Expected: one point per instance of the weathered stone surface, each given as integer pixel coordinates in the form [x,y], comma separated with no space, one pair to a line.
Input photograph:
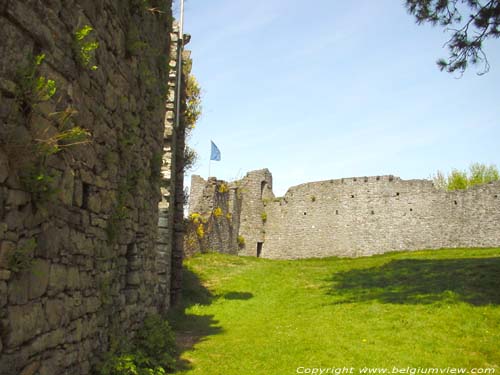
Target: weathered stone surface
[78,193]
[19,289]
[347,217]
[73,278]
[58,280]
[51,240]
[25,322]
[57,315]
[66,186]
[5,274]
[4,167]
[3,295]
[31,369]
[49,340]
[6,249]
[18,197]
[56,312]
[38,278]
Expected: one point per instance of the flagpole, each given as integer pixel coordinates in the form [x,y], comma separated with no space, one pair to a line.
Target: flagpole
[210,161]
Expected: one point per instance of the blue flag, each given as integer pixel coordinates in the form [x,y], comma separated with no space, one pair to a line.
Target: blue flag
[215,155]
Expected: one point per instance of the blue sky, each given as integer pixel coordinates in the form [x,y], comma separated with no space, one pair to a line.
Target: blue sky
[330,89]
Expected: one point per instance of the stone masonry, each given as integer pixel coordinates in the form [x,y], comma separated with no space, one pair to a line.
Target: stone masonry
[353,217]
[87,238]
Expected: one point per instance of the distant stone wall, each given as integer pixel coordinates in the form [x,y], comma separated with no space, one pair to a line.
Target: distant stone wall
[80,257]
[363,216]
[214,222]
[372,215]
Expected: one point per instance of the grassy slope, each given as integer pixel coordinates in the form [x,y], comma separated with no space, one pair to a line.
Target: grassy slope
[418,309]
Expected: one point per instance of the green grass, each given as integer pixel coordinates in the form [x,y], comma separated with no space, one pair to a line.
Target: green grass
[253,316]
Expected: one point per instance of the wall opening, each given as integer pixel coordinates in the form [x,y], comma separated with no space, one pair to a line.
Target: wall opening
[259,248]
[262,187]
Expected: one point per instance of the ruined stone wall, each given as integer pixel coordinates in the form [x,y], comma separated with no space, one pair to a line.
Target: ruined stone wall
[214,221]
[255,188]
[79,262]
[371,215]
[363,216]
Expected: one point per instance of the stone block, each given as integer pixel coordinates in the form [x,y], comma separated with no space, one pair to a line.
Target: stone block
[6,248]
[92,304]
[19,289]
[73,278]
[5,274]
[66,186]
[48,340]
[51,240]
[78,193]
[58,280]
[57,313]
[3,295]
[38,278]
[94,202]
[4,167]
[18,198]
[31,369]
[24,323]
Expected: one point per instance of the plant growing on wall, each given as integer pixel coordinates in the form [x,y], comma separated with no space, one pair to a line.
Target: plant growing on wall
[32,86]
[263,216]
[223,188]
[218,212]
[240,240]
[84,48]
[28,156]
[21,258]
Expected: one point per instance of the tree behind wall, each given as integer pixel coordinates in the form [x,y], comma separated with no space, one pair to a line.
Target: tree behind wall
[459,180]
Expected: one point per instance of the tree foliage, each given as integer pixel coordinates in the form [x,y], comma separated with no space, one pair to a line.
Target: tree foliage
[470,22]
[459,180]
[191,114]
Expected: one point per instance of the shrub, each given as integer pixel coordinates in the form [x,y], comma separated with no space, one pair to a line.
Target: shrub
[241,241]
[152,352]
[263,216]
[459,180]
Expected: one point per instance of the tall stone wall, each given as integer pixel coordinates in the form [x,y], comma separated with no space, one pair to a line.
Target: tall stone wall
[215,212]
[362,216]
[79,255]
[372,215]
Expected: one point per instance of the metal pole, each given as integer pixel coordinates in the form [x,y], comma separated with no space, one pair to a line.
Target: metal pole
[180,47]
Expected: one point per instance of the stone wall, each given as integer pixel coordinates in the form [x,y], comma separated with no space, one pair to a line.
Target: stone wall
[215,212]
[363,216]
[79,261]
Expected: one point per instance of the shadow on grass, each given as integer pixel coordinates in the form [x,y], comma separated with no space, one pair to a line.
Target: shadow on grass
[422,281]
[191,329]
[238,295]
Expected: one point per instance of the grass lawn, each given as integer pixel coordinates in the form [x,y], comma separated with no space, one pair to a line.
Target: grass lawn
[248,316]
